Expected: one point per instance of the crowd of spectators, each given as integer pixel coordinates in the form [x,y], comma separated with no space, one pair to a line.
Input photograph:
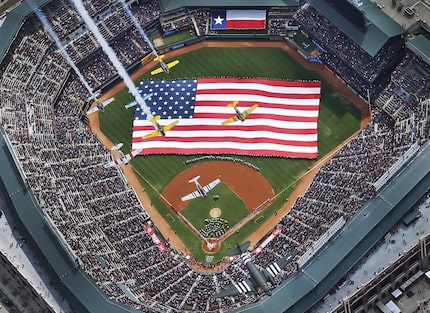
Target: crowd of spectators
[100,216]
[361,70]
[176,21]
[404,100]
[278,20]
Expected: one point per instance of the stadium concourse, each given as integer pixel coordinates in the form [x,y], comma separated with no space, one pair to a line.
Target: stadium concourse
[87,227]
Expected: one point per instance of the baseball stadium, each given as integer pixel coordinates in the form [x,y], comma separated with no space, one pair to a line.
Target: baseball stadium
[215,156]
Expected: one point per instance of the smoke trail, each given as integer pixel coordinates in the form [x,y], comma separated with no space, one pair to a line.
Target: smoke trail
[138,26]
[59,45]
[112,56]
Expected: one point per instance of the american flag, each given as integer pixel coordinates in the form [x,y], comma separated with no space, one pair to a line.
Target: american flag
[284,123]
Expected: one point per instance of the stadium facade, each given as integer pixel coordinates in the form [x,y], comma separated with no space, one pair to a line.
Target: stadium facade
[315,278]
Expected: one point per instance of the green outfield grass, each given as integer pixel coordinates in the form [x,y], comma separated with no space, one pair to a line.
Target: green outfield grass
[173,38]
[338,120]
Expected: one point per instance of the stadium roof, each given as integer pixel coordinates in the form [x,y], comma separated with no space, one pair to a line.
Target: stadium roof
[12,24]
[170,5]
[376,27]
[420,45]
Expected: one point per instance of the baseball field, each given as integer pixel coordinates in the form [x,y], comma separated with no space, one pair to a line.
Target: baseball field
[163,176]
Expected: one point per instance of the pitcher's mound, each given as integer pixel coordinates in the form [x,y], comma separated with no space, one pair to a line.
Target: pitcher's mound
[215,212]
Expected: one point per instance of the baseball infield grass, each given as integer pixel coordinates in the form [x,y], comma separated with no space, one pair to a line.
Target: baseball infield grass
[233,209]
[338,120]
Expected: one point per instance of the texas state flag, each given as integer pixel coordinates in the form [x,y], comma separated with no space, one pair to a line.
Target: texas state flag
[238,19]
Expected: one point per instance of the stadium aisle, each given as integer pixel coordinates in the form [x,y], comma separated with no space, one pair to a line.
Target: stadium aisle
[17,252]
[403,239]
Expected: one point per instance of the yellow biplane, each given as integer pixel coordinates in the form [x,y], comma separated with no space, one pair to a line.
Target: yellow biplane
[159,130]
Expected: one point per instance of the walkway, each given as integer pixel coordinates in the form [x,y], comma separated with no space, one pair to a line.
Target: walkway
[13,247]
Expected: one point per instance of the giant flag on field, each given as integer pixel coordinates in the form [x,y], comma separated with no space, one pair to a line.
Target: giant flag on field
[284,123]
[238,19]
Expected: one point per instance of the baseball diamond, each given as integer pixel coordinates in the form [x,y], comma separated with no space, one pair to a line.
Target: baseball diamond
[171,194]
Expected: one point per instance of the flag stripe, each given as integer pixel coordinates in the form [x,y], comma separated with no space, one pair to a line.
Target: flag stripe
[266,93]
[246,24]
[284,123]
[215,125]
[261,116]
[232,135]
[244,19]
[305,140]
[145,129]
[243,105]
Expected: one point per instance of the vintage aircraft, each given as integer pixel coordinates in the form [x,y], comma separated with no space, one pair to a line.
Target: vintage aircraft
[163,66]
[201,191]
[134,103]
[258,279]
[100,105]
[240,116]
[159,130]
[124,158]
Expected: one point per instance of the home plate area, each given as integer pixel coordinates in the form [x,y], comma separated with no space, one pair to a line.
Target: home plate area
[214,227]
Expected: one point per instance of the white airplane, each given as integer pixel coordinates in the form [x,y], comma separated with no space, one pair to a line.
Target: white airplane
[159,130]
[134,103]
[124,158]
[100,105]
[201,191]
[163,66]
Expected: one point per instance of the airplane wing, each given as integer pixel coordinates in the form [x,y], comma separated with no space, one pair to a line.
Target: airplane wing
[247,112]
[104,103]
[237,288]
[244,114]
[192,195]
[125,159]
[211,185]
[150,135]
[160,69]
[131,104]
[230,120]
[276,267]
[157,71]
[92,110]
[165,129]
[170,126]
[108,101]
[172,64]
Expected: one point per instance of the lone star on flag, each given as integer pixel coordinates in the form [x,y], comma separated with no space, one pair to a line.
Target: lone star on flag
[218,20]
